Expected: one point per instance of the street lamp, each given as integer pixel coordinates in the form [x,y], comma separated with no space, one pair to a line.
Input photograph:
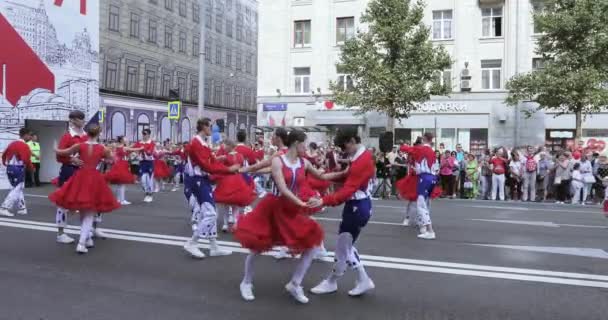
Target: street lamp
[201,61]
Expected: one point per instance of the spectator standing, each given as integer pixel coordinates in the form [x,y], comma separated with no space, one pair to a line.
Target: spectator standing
[587,178]
[498,165]
[544,179]
[516,169]
[446,173]
[529,176]
[486,175]
[563,175]
[472,177]
[461,158]
[33,177]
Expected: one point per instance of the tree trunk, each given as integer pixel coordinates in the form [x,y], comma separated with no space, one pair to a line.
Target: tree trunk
[579,125]
[390,126]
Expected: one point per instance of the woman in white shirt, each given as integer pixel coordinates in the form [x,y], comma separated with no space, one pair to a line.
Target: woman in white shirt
[577,183]
[587,178]
[516,168]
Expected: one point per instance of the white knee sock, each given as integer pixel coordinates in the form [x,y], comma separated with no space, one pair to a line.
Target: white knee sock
[248,276]
[302,267]
[86,227]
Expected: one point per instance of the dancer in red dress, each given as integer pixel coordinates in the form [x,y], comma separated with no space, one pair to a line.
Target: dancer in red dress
[280,219]
[17,159]
[232,191]
[86,191]
[146,164]
[120,174]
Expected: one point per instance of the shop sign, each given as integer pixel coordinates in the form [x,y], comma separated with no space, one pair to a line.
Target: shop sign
[274,106]
[442,107]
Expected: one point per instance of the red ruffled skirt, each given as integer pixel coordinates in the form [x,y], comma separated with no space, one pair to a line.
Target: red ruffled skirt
[161,169]
[86,190]
[234,189]
[606,208]
[276,221]
[120,173]
[317,184]
[406,187]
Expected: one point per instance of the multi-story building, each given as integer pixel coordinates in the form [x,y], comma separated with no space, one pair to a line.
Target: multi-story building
[149,47]
[489,41]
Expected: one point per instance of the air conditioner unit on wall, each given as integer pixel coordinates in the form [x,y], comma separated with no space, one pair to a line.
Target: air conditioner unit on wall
[465,73]
[298,122]
[465,85]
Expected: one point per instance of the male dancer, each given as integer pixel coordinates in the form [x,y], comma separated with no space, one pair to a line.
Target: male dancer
[426,169]
[17,159]
[146,165]
[355,194]
[69,165]
[197,189]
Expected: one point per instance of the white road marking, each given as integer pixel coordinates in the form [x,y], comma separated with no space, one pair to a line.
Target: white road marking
[533,275]
[581,252]
[540,223]
[370,222]
[502,208]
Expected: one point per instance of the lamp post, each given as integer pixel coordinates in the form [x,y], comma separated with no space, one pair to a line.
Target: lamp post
[201,61]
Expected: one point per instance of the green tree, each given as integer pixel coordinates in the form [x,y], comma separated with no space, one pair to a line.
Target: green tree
[393,64]
[574,47]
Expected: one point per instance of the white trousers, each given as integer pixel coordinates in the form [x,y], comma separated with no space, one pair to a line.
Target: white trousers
[529,186]
[498,183]
[15,198]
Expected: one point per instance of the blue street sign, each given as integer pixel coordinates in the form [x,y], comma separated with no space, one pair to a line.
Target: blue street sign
[174,108]
[275,106]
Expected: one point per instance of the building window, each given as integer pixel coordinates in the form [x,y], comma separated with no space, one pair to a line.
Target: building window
[239,29]
[227,96]
[217,94]
[143,122]
[301,34]
[345,29]
[168,37]
[219,22]
[248,36]
[208,14]
[195,45]
[228,5]
[118,126]
[442,25]
[114,23]
[229,26]
[182,8]
[150,82]
[301,80]
[153,1]
[218,55]
[185,130]
[445,78]
[538,6]
[169,5]
[194,90]
[239,62]
[166,84]
[134,30]
[152,31]
[208,50]
[491,22]
[132,79]
[196,12]
[111,71]
[181,86]
[538,63]
[228,58]
[237,98]
[182,42]
[490,74]
[207,91]
[248,64]
[345,81]
[165,129]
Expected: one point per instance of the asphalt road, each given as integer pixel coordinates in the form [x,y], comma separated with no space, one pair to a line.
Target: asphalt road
[491,260]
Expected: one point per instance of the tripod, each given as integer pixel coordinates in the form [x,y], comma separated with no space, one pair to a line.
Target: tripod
[383,189]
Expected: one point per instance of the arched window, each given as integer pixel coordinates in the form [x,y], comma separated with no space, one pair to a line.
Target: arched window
[242,126]
[143,122]
[118,125]
[231,131]
[165,129]
[185,130]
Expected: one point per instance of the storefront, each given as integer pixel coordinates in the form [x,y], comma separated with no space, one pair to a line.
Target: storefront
[560,132]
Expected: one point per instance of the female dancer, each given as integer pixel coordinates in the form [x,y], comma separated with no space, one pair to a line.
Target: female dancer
[281,218]
[87,191]
[233,192]
[179,155]
[161,170]
[146,165]
[120,174]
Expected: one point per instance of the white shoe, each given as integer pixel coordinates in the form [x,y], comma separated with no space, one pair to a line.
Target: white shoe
[81,249]
[194,251]
[427,236]
[296,292]
[225,228]
[22,212]
[247,291]
[174,189]
[218,252]
[125,203]
[362,287]
[6,213]
[325,287]
[406,222]
[64,238]
[320,254]
[97,233]
[89,243]
[281,254]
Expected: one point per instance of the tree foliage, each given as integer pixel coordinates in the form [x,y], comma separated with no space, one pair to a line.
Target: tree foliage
[574,45]
[393,63]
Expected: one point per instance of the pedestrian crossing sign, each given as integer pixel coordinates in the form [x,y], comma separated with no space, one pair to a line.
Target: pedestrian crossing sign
[174,109]
[101,115]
